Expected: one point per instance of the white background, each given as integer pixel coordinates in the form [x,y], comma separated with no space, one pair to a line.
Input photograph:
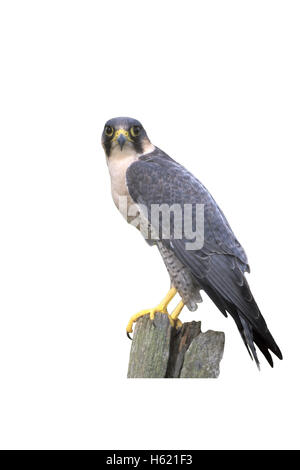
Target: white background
[216,85]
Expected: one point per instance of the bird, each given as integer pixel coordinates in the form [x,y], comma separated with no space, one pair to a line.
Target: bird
[142,177]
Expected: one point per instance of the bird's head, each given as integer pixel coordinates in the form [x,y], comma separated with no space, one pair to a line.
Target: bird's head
[124,134]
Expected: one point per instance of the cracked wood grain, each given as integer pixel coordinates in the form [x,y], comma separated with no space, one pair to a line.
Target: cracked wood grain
[160,351]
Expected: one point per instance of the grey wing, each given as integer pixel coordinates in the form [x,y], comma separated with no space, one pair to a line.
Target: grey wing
[219,265]
[157,179]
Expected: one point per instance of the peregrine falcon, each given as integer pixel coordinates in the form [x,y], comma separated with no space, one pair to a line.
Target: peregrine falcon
[144,177]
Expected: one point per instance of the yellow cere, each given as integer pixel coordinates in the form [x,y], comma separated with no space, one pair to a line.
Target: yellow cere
[122,131]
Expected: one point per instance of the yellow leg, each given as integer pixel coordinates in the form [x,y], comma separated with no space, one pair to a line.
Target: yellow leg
[175,314]
[161,308]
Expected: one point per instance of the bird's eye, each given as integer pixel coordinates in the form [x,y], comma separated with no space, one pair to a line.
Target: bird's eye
[135,130]
[109,131]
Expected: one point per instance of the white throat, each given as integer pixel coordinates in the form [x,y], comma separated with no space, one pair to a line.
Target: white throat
[118,163]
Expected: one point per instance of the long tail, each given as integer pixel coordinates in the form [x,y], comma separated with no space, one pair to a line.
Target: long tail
[229,290]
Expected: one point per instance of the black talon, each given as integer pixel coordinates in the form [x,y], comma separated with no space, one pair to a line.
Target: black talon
[128,336]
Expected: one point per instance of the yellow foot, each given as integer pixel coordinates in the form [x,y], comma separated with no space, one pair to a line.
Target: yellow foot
[151,312]
[175,314]
[178,324]
[161,308]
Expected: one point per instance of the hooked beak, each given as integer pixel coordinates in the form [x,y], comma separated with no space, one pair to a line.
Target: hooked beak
[121,141]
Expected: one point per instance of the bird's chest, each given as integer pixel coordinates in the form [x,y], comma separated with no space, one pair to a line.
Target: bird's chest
[117,166]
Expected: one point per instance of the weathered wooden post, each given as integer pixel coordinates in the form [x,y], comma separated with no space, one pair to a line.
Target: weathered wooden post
[160,351]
